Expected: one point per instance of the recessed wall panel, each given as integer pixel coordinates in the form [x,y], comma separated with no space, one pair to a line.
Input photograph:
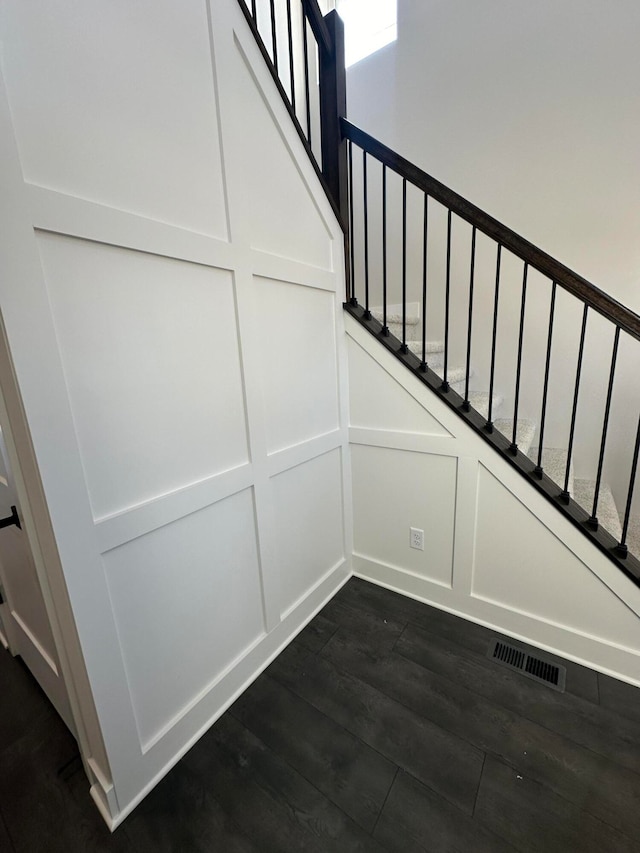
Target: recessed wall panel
[394,490]
[308,510]
[521,565]
[26,599]
[187,602]
[283,214]
[150,353]
[295,326]
[370,384]
[105,115]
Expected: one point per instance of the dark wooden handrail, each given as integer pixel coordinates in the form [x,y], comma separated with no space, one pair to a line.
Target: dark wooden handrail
[318,25]
[584,290]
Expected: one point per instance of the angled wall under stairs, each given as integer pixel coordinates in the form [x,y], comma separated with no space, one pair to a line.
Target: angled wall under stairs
[553,459]
[496,551]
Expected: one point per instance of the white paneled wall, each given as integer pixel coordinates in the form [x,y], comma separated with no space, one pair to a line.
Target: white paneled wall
[171,289]
[125,113]
[129,326]
[209,559]
[308,499]
[395,489]
[496,551]
[297,368]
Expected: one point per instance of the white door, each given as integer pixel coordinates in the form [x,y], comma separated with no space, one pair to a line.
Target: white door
[23,616]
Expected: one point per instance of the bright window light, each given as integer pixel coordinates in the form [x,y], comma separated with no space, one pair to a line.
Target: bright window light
[368,26]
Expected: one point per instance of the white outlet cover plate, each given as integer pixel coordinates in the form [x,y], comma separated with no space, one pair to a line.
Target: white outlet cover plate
[416,538]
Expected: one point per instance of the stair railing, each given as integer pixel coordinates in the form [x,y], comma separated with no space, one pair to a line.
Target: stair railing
[371,166]
[304,52]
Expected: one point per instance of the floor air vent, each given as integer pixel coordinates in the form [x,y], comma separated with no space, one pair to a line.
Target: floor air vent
[532,666]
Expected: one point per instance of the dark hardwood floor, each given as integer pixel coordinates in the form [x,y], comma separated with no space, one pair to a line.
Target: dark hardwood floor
[382,727]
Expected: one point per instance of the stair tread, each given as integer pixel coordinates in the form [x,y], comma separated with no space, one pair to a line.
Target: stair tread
[454,374]
[607,511]
[480,402]
[432,347]
[554,464]
[525,431]
[396,318]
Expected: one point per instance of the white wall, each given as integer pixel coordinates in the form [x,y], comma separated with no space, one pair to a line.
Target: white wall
[171,289]
[530,110]
[496,551]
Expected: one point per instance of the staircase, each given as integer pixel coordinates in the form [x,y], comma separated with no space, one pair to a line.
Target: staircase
[394,209]
[579,425]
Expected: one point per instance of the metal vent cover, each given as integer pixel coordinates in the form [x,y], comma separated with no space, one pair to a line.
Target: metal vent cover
[554,675]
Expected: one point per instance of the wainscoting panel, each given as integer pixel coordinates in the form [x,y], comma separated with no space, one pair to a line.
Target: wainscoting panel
[285,217]
[107,114]
[298,367]
[141,337]
[394,490]
[392,408]
[309,524]
[30,615]
[533,572]
[201,570]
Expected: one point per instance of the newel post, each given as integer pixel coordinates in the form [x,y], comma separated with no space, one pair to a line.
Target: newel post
[333,107]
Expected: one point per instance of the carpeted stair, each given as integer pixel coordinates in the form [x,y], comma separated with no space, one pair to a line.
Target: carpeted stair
[480,401]
[525,431]
[607,512]
[554,464]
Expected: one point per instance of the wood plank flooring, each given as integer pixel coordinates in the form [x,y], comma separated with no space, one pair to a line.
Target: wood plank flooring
[382,727]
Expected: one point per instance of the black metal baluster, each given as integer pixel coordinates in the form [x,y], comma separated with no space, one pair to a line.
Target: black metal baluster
[622,549]
[514,445]
[489,424]
[385,327]
[354,301]
[305,50]
[538,469]
[467,405]
[445,380]
[425,236]
[291,62]
[593,521]
[403,347]
[365,190]
[254,11]
[274,40]
[565,492]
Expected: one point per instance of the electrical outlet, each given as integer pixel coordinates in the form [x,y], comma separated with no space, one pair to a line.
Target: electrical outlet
[416,538]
